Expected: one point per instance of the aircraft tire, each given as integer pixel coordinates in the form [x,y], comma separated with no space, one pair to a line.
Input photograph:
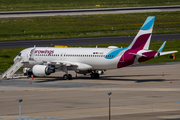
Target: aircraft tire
[65,77]
[69,77]
[94,75]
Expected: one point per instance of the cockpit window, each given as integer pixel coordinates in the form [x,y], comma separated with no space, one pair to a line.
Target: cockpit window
[19,54]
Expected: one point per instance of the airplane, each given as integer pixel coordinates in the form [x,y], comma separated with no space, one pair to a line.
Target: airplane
[42,61]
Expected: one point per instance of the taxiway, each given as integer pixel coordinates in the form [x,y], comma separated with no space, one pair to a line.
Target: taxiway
[138,92]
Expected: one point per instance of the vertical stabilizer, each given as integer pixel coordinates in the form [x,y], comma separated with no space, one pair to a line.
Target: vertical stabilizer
[142,39]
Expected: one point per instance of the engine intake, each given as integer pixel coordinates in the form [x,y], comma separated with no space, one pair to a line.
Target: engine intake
[42,70]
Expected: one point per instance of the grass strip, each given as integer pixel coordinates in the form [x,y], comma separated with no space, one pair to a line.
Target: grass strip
[14,5]
[85,26]
[7,55]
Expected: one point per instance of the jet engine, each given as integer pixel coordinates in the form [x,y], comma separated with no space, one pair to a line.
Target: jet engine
[42,70]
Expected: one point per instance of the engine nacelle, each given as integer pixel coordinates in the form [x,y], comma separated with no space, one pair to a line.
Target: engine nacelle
[42,70]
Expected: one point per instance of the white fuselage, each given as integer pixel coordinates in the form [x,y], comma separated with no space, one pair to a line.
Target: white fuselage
[96,57]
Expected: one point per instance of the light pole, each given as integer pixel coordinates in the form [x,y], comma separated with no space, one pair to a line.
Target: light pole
[19,100]
[109,93]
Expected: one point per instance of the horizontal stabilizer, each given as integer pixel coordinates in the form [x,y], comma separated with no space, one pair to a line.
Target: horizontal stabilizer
[139,55]
[168,52]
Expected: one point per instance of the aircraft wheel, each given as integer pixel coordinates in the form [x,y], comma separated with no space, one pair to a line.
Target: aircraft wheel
[69,76]
[65,77]
[94,75]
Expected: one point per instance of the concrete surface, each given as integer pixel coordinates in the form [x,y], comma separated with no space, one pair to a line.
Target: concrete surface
[138,93]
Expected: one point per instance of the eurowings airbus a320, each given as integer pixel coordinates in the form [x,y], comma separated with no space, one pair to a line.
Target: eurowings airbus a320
[42,61]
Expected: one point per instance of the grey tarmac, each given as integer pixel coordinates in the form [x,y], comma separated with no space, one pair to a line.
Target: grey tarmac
[138,93]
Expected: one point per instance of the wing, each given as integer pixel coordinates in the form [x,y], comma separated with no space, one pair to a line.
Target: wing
[80,66]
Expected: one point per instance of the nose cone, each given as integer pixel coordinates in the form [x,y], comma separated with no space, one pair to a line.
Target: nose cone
[15,59]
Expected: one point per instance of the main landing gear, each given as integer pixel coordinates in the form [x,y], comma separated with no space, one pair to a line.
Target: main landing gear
[94,75]
[67,77]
